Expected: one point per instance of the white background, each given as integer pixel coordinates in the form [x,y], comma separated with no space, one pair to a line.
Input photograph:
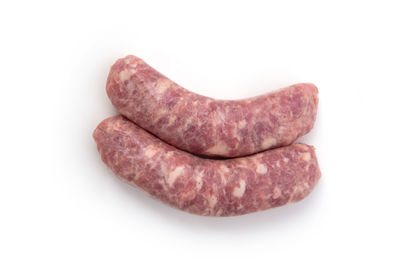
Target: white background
[61,206]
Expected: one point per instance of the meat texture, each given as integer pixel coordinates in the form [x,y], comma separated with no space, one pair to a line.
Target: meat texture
[205,126]
[206,186]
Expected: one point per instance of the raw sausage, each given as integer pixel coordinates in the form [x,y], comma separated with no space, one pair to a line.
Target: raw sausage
[206,186]
[206,126]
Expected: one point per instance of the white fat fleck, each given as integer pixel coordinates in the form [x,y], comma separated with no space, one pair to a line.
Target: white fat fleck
[212,201]
[130,64]
[199,180]
[238,191]
[224,174]
[242,162]
[281,129]
[169,154]
[293,194]
[162,85]
[125,75]
[298,191]
[188,123]
[224,169]
[262,169]
[306,156]
[221,115]
[277,193]
[164,167]
[302,146]
[150,151]
[171,119]
[219,212]
[278,164]
[242,124]
[268,142]
[286,160]
[220,148]
[175,174]
[238,137]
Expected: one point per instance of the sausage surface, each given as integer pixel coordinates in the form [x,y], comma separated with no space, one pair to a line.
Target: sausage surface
[205,126]
[206,186]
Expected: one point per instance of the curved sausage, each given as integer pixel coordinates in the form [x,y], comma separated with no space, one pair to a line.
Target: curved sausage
[206,186]
[206,126]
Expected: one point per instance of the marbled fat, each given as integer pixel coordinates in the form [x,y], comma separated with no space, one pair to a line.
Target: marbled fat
[205,126]
[206,186]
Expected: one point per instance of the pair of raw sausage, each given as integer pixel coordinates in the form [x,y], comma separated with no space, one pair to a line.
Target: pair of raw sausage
[205,126]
